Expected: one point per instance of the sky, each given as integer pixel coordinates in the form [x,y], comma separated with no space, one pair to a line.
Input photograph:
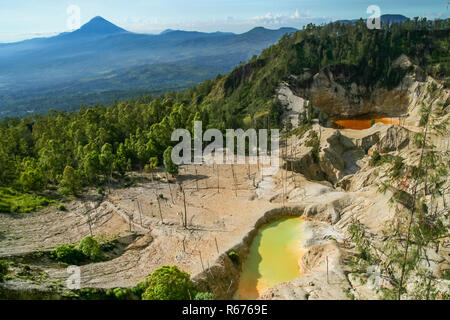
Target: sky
[24,19]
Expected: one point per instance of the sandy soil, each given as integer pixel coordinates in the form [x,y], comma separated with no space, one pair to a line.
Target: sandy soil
[219,214]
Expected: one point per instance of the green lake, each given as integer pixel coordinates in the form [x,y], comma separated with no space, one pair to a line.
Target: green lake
[273,258]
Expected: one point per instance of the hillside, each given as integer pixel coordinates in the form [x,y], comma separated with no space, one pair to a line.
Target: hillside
[373,201]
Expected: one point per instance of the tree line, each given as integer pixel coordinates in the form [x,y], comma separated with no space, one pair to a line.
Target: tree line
[89,147]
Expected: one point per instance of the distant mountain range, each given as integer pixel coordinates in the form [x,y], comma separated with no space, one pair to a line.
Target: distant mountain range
[100,62]
[385,18]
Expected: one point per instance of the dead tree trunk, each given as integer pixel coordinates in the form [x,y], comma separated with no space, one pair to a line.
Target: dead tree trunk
[185,210]
[159,206]
[218,180]
[328,281]
[89,222]
[170,189]
[201,260]
[196,176]
[217,246]
[140,211]
[234,180]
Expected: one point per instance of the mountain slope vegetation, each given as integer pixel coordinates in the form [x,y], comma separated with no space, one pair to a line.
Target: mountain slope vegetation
[104,142]
[100,62]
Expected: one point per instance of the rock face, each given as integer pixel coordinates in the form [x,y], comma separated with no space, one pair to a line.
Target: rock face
[305,164]
[330,92]
[294,105]
[339,156]
[395,138]
[341,91]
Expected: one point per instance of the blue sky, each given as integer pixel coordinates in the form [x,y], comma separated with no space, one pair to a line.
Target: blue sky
[22,19]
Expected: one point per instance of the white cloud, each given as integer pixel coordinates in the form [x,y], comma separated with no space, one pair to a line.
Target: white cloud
[298,19]
[230,24]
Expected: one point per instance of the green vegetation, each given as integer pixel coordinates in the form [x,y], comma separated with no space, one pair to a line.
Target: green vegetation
[94,146]
[3,269]
[314,143]
[165,283]
[171,167]
[169,283]
[122,294]
[67,253]
[15,201]
[151,166]
[70,183]
[88,250]
[24,271]
[234,257]
[378,159]
[418,186]
[446,274]
[204,296]
[301,130]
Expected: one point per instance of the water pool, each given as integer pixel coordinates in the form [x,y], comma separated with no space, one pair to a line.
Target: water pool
[273,258]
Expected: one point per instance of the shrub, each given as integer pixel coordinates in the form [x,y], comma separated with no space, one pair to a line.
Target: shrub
[70,182]
[15,201]
[234,256]
[91,294]
[377,159]
[139,289]
[109,245]
[204,296]
[122,294]
[67,253]
[62,208]
[397,167]
[90,248]
[314,143]
[446,274]
[3,270]
[169,283]
[170,166]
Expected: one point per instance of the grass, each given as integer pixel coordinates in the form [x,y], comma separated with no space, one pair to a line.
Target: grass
[300,130]
[378,159]
[15,201]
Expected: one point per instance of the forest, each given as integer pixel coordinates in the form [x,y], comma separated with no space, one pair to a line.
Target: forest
[63,152]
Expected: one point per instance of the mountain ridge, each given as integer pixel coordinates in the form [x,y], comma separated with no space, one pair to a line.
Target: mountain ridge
[34,69]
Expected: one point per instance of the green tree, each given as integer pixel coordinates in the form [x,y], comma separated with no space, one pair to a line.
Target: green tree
[90,164]
[169,283]
[70,183]
[67,253]
[3,270]
[151,166]
[107,162]
[420,220]
[90,248]
[31,177]
[171,167]
[121,160]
